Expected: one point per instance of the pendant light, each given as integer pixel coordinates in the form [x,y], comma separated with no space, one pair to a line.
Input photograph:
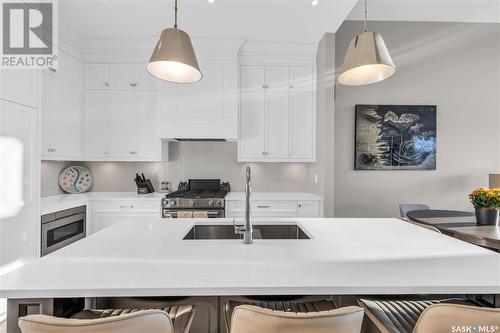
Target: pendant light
[173,58]
[367,60]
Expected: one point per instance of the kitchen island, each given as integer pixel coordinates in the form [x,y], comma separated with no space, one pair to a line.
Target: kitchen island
[344,256]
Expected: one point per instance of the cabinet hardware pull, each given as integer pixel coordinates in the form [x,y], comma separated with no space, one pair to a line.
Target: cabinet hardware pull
[262,206]
[265,86]
[300,205]
[106,84]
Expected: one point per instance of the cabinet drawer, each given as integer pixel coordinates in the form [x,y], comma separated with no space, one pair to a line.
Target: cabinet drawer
[264,207]
[123,206]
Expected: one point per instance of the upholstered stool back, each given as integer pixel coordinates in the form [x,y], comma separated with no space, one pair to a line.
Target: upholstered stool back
[252,319]
[150,321]
[443,317]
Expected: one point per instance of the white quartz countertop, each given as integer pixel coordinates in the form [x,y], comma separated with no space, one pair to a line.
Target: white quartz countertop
[274,196]
[58,202]
[148,257]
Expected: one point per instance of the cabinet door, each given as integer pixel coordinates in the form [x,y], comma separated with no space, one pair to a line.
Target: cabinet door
[145,111]
[96,76]
[103,220]
[278,89]
[308,209]
[252,113]
[121,124]
[19,86]
[301,113]
[63,118]
[121,76]
[95,123]
[18,191]
[47,104]
[143,79]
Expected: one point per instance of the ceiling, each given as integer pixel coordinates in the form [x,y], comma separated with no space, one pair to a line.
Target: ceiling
[257,20]
[487,11]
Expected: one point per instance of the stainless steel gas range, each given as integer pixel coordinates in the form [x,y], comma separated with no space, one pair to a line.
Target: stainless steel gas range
[196,198]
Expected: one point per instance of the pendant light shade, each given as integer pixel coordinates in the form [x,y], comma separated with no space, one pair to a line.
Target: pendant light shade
[367,61]
[173,58]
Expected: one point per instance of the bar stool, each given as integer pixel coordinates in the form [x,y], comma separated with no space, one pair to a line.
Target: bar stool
[294,317]
[441,317]
[401,315]
[174,319]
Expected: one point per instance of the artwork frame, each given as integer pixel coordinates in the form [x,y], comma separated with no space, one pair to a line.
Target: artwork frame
[395,137]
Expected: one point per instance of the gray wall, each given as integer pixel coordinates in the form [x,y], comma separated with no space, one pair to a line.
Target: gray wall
[187,160]
[454,66]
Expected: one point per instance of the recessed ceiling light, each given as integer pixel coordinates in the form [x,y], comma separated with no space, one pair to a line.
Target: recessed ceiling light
[211,1]
[314,2]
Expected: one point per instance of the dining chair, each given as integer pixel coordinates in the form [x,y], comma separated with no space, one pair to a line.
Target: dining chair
[405,208]
[296,318]
[401,315]
[426,226]
[175,319]
[443,317]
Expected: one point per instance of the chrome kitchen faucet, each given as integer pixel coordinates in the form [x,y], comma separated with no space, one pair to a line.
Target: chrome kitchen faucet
[247,230]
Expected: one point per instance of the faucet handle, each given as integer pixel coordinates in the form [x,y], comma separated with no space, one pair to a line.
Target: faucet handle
[238,229]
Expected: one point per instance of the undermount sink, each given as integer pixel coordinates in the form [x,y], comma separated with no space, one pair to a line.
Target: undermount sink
[260,231]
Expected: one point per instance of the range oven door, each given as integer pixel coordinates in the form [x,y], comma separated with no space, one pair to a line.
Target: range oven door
[61,232]
[176,213]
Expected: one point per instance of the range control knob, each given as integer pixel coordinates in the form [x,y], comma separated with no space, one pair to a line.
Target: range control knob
[211,203]
[191,203]
[172,202]
[219,203]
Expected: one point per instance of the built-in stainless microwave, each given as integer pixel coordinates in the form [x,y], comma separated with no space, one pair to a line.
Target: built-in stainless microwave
[62,228]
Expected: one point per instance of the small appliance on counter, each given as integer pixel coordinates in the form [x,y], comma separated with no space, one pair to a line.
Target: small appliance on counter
[144,186]
[198,198]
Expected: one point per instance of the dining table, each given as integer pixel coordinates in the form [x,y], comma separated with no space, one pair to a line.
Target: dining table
[459,224]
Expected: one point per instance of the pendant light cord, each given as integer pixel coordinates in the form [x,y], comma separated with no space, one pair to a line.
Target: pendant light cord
[366,15]
[175,9]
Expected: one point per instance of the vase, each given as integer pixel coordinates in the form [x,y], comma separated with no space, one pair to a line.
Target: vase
[487,216]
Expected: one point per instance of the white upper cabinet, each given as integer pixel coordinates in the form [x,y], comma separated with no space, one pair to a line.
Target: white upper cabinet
[96,124]
[121,76]
[207,109]
[120,117]
[62,130]
[277,93]
[145,112]
[277,115]
[252,143]
[302,115]
[144,80]
[121,124]
[96,76]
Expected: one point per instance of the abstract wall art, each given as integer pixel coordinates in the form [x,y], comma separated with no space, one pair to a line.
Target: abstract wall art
[395,137]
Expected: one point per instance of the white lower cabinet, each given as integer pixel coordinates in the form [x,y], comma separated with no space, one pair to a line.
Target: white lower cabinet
[274,208]
[108,212]
[103,220]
